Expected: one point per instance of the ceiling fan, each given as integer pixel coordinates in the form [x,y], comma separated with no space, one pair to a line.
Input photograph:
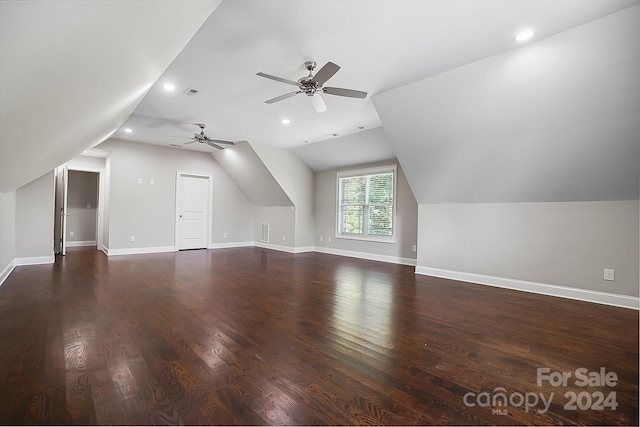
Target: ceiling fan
[312,86]
[205,139]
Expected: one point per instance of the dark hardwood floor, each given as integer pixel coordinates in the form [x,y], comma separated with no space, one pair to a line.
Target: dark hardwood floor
[251,336]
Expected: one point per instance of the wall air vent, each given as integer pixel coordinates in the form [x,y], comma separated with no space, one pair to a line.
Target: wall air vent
[190,91]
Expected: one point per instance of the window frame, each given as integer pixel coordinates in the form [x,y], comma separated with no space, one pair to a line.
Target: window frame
[393,169]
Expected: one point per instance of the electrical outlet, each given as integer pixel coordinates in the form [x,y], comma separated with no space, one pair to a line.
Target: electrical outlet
[609,274]
[88,205]
[224,235]
[71,234]
[321,239]
[139,180]
[133,238]
[284,238]
[329,239]
[414,248]
[152,181]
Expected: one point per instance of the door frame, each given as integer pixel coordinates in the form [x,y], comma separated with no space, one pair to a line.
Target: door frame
[209,204]
[99,208]
[60,215]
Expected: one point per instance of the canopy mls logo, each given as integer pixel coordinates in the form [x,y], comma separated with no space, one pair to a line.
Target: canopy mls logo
[500,401]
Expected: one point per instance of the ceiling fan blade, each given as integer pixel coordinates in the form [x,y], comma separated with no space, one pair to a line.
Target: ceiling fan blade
[214,145]
[318,103]
[221,141]
[281,97]
[344,92]
[325,73]
[189,142]
[278,79]
[176,136]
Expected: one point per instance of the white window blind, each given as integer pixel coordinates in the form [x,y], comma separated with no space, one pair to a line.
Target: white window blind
[366,204]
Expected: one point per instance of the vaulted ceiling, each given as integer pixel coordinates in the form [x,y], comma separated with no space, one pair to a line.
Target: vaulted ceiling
[71,72]
[73,75]
[558,120]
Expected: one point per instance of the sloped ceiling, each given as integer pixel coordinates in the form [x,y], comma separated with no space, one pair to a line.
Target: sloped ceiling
[250,174]
[73,71]
[379,44]
[360,148]
[556,120]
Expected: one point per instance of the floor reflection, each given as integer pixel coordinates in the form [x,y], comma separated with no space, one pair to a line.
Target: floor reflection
[362,305]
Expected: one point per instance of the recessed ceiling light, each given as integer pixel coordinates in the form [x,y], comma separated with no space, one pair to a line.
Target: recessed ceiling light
[331,135]
[304,141]
[285,121]
[523,35]
[360,127]
[169,86]
[128,130]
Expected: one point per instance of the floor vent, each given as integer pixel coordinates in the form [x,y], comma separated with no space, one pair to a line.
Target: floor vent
[264,232]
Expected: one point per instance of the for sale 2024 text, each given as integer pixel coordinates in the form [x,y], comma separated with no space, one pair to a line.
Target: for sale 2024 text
[582,377]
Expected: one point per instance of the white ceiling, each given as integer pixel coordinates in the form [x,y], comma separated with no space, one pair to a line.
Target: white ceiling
[71,72]
[380,45]
[555,121]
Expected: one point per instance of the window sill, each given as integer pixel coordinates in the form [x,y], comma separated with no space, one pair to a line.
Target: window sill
[382,239]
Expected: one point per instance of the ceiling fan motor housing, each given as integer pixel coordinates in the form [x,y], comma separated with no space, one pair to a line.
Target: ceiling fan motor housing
[312,85]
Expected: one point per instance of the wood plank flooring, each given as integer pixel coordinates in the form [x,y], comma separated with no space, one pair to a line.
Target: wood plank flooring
[250,336]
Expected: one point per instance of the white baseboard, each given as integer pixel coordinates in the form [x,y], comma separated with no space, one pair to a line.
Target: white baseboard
[341,252]
[7,271]
[231,245]
[138,251]
[49,259]
[265,245]
[365,255]
[81,243]
[606,298]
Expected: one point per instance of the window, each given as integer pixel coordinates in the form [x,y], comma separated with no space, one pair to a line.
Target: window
[366,204]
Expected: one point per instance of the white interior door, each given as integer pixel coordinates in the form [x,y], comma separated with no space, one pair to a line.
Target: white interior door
[193,206]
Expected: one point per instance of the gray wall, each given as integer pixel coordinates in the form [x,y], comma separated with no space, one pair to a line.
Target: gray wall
[147,210]
[82,202]
[565,244]
[34,218]
[526,164]
[325,219]
[7,229]
[281,220]
[297,181]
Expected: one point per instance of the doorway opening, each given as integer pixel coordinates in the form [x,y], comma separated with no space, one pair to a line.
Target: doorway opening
[78,209]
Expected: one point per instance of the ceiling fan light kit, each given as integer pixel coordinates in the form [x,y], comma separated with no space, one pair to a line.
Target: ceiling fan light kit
[312,85]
